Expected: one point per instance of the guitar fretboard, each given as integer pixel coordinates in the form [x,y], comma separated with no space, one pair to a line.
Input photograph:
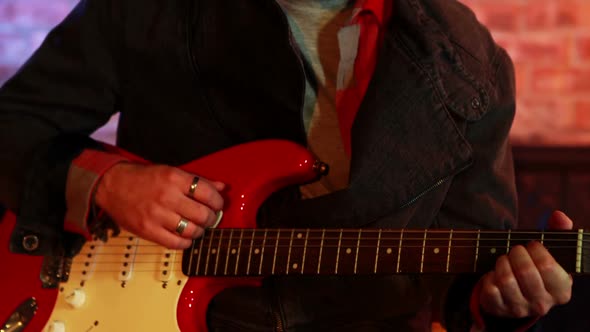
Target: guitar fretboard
[263,252]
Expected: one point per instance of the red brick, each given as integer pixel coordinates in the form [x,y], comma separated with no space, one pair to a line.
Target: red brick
[583,49]
[566,16]
[582,11]
[561,81]
[541,50]
[582,109]
[502,17]
[539,14]
[523,82]
[552,14]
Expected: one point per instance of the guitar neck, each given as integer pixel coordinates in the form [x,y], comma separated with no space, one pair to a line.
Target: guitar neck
[264,252]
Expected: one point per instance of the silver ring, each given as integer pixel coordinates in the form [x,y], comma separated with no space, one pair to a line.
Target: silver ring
[193,187]
[182,223]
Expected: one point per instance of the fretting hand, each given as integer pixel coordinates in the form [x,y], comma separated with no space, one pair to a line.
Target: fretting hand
[527,281]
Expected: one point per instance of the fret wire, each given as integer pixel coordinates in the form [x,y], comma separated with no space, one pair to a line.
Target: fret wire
[250,253]
[423,248]
[218,252]
[321,249]
[304,250]
[579,252]
[274,259]
[209,252]
[449,250]
[199,258]
[262,251]
[239,251]
[476,252]
[399,249]
[289,252]
[508,242]
[231,234]
[190,259]
[338,251]
[377,251]
[358,243]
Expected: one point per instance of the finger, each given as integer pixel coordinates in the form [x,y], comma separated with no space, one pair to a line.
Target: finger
[205,191]
[166,238]
[220,186]
[173,241]
[185,228]
[529,280]
[557,281]
[490,297]
[199,214]
[509,288]
[560,221]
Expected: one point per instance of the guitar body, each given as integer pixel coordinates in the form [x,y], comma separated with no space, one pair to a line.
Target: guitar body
[128,284]
[20,281]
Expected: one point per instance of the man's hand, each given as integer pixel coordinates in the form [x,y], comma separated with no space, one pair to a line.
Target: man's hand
[527,281]
[149,201]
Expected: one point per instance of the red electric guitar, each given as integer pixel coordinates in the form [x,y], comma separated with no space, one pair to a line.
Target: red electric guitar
[129,284]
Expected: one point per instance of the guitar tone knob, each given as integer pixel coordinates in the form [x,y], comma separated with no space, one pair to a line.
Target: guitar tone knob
[56,326]
[76,299]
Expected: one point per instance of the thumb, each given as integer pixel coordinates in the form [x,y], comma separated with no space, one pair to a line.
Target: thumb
[560,221]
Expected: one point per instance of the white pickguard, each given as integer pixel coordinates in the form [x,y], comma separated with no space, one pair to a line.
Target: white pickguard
[127,287]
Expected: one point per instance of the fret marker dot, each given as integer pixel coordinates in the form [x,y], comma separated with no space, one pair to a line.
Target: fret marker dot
[213,251]
[196,251]
[436,250]
[256,251]
[233,251]
[493,250]
[388,251]
[299,235]
[348,250]
[295,266]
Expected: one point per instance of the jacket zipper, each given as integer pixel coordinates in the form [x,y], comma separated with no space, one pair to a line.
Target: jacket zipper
[434,186]
[188,37]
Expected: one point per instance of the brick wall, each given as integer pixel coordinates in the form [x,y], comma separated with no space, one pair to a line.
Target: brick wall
[549,41]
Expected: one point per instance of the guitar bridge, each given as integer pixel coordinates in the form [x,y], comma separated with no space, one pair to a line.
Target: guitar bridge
[21,317]
[54,270]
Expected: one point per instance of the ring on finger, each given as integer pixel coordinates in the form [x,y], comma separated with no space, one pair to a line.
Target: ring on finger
[181,226]
[193,187]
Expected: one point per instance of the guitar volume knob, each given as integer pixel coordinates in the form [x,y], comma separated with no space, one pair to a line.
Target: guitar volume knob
[76,298]
[56,326]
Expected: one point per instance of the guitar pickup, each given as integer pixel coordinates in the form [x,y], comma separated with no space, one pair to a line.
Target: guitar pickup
[54,270]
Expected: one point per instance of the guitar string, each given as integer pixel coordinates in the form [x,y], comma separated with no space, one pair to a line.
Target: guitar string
[352,245]
[136,259]
[119,265]
[355,239]
[459,266]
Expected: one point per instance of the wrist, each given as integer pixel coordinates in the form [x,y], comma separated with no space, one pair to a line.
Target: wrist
[105,183]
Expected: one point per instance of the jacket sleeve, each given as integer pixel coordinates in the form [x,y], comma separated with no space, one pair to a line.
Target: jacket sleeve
[48,109]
